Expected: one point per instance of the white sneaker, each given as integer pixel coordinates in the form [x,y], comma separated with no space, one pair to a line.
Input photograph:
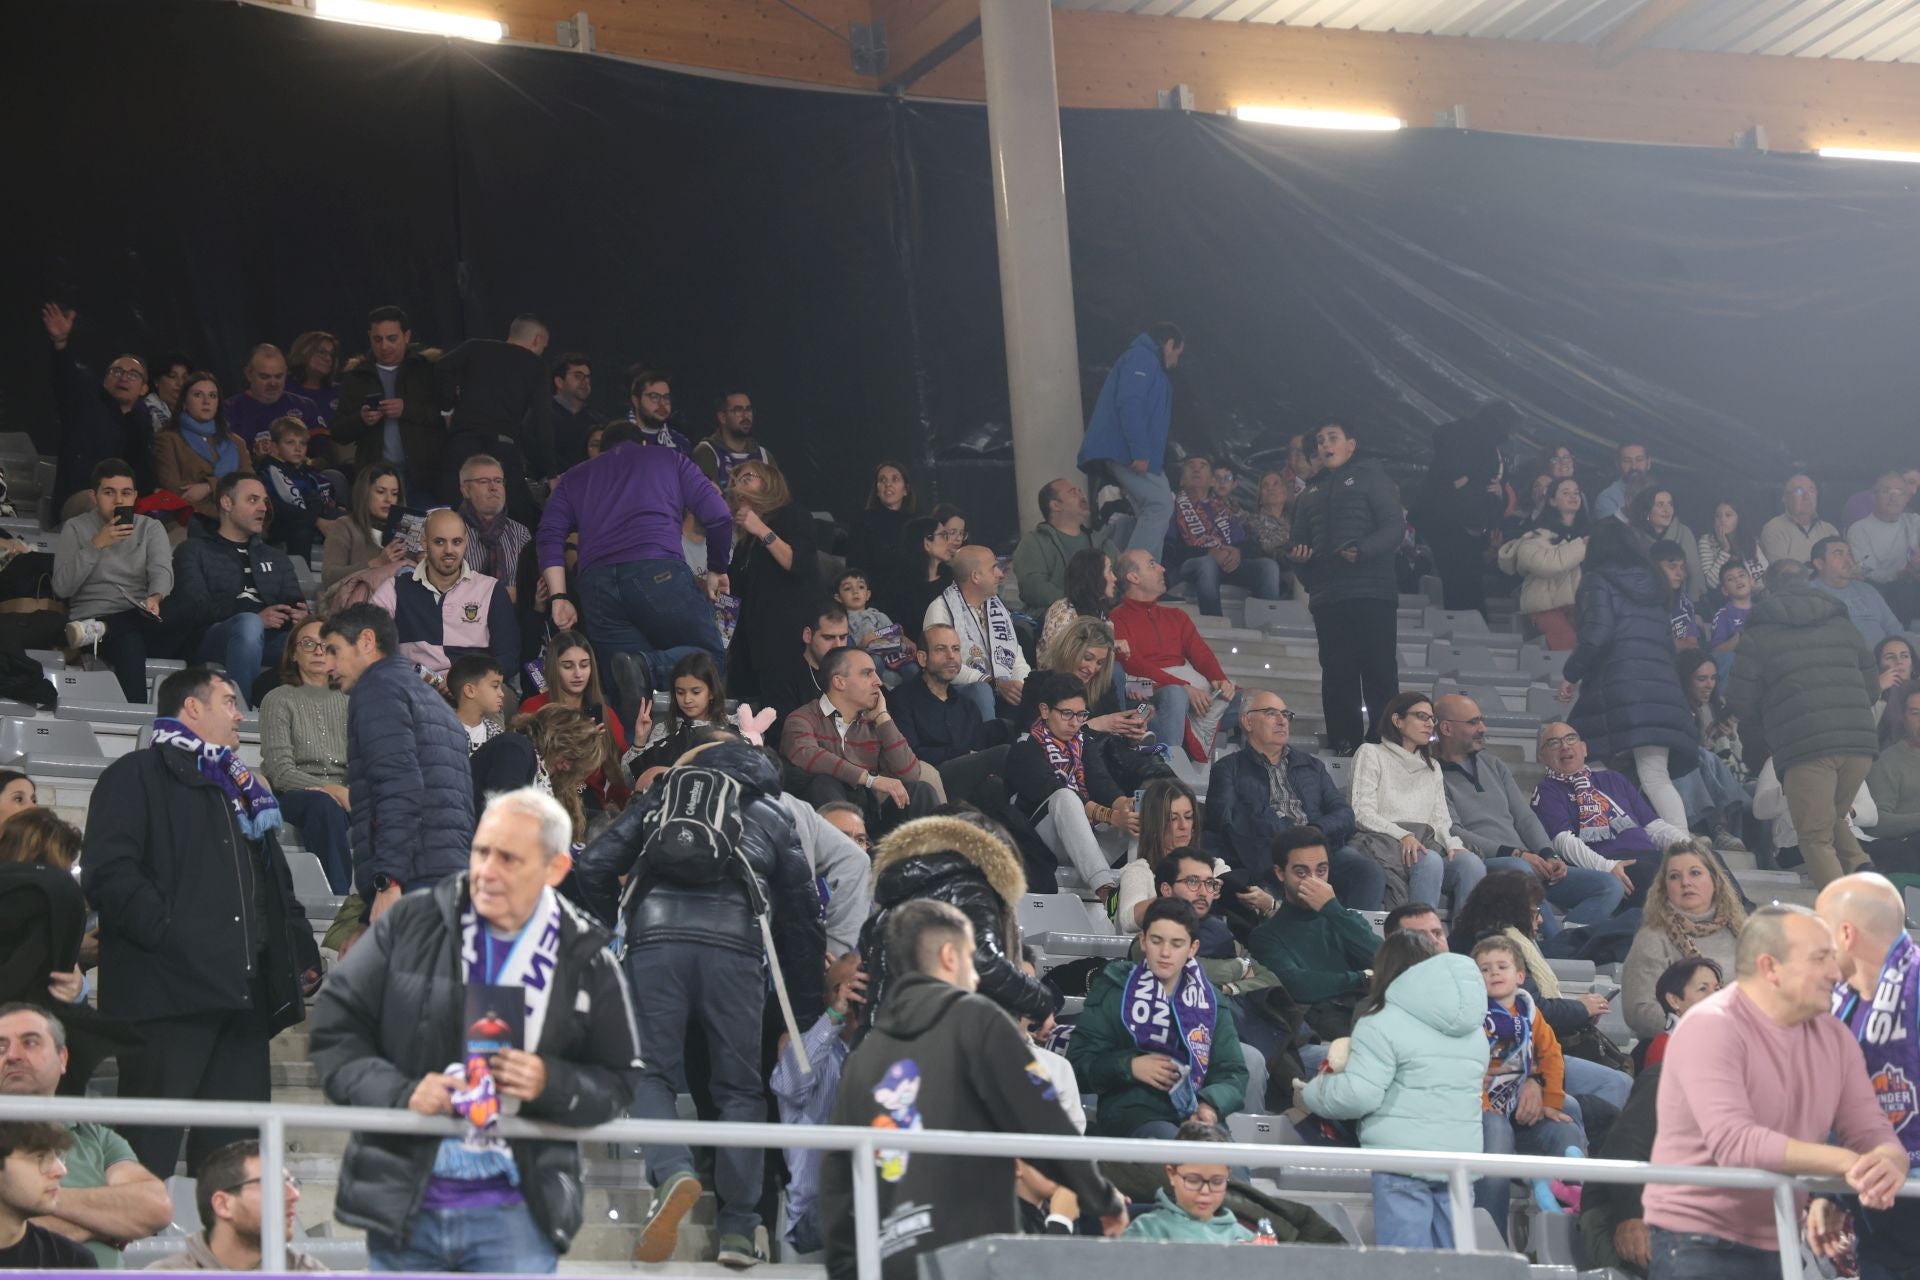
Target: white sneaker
[87,631]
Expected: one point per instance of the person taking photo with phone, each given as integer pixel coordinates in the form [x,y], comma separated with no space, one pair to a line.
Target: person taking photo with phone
[113,568]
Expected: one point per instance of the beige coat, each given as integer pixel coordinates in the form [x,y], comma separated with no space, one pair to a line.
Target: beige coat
[1548,566]
[176,466]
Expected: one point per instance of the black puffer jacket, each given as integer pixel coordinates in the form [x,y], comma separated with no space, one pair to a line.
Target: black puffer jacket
[1630,695]
[392,1012]
[1803,682]
[410,779]
[957,863]
[1350,506]
[207,578]
[719,915]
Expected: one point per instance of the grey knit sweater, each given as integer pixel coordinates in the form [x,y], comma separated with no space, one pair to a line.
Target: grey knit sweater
[303,737]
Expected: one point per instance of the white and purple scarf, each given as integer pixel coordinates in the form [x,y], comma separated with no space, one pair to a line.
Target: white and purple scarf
[1886,1030]
[1181,1027]
[254,805]
[1510,1045]
[1067,759]
[530,965]
[994,652]
[1594,808]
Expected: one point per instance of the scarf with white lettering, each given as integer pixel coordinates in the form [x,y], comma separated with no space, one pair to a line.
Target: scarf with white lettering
[254,805]
[1510,1044]
[1207,523]
[1181,1027]
[531,966]
[1885,1028]
[1594,808]
[1068,758]
[994,652]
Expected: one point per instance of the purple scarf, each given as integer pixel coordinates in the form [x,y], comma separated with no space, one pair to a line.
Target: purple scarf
[1510,1044]
[1595,808]
[1886,1030]
[1180,1028]
[1067,758]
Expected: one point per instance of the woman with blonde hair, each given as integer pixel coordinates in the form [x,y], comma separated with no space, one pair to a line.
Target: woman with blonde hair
[1084,650]
[775,576]
[555,749]
[1693,909]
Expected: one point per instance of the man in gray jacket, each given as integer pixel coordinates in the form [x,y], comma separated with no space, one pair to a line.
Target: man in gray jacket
[113,568]
[1492,817]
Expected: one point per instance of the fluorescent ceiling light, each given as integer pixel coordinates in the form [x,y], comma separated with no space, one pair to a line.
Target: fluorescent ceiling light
[1862,153]
[403,17]
[1301,118]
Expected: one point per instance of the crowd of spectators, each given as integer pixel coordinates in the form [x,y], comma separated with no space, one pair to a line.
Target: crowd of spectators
[503,717]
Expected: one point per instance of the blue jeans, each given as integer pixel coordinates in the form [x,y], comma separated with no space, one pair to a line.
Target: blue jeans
[491,1240]
[1435,874]
[242,644]
[1259,576]
[1503,1137]
[1589,1079]
[1152,501]
[326,829]
[1678,1256]
[673,984]
[980,694]
[1711,793]
[1410,1213]
[1358,881]
[1169,720]
[652,609]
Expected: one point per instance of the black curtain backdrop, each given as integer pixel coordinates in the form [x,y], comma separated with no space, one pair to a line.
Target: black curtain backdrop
[210,175]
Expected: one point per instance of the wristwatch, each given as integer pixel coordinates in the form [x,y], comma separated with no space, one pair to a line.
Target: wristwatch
[383,882]
[768,538]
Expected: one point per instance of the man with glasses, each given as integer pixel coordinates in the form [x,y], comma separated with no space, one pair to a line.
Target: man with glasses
[651,396]
[1633,462]
[109,419]
[1791,534]
[108,1197]
[1491,817]
[1256,794]
[1321,950]
[1065,790]
[494,538]
[732,440]
[232,1201]
[1596,818]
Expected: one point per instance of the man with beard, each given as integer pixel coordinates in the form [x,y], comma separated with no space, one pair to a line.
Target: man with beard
[232,1198]
[732,440]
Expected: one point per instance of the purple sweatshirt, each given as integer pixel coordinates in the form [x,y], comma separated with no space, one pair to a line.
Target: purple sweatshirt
[626,506]
[1624,840]
[247,417]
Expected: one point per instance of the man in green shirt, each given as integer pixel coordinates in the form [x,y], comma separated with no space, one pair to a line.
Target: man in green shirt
[1322,951]
[107,1198]
[1040,561]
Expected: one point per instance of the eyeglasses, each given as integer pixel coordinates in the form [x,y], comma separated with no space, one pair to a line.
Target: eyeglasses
[293,1184]
[1198,884]
[310,645]
[1424,717]
[1553,744]
[658,397]
[123,371]
[1073,717]
[1196,1182]
[1282,712]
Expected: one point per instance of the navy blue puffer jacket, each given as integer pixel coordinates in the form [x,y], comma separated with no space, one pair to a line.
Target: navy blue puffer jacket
[1630,695]
[408,775]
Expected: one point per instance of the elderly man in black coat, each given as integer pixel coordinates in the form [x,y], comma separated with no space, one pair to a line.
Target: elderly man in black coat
[493,970]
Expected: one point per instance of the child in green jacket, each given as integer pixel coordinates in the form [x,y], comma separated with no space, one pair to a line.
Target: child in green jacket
[1190,1208]
[1155,1041]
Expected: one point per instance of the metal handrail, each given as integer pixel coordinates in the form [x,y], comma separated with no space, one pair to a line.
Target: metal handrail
[1461,1169]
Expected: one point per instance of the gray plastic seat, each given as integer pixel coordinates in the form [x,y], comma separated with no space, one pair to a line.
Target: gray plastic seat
[51,748]
[1049,913]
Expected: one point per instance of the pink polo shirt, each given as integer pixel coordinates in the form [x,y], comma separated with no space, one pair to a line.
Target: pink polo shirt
[1735,1086]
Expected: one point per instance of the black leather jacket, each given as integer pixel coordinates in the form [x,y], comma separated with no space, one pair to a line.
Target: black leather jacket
[719,915]
[393,1011]
[957,863]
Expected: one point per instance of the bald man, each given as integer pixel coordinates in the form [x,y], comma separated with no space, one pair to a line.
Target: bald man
[444,609]
[252,412]
[993,670]
[1878,999]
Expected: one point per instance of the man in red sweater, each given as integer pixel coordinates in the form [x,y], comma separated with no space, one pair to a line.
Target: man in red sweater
[1759,1076]
[1192,697]
[851,750]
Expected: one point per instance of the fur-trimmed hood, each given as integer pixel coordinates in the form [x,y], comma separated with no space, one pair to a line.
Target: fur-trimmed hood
[927,837]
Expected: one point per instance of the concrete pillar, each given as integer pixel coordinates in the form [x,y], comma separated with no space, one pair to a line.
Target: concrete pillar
[1030,216]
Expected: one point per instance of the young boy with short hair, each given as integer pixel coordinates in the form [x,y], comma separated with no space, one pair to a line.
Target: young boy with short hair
[477,688]
[1522,1105]
[303,502]
[1736,584]
[1191,1208]
[874,631]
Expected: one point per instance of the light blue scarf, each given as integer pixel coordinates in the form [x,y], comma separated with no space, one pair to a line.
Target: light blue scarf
[211,443]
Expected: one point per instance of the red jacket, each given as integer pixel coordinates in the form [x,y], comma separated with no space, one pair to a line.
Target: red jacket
[1159,636]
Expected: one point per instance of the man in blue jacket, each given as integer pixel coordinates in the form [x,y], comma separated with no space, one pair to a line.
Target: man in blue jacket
[407,770]
[1129,426]
[1256,794]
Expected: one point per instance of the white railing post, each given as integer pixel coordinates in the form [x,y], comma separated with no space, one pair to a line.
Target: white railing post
[1460,1205]
[1786,1220]
[273,1176]
[866,1212]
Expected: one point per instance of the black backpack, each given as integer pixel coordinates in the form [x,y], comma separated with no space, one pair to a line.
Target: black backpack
[693,837]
